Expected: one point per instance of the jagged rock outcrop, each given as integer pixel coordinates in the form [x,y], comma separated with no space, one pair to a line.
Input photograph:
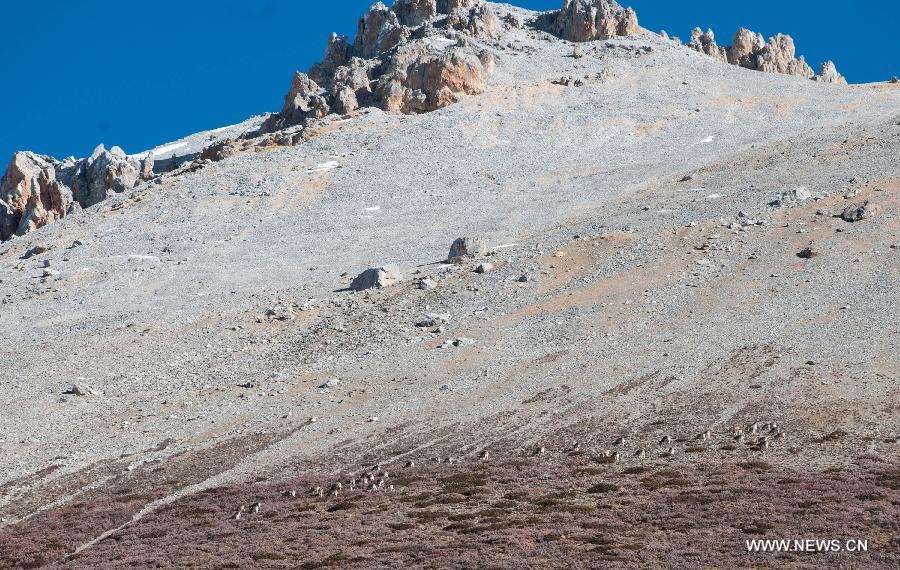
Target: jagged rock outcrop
[379,31]
[103,172]
[705,42]
[588,20]
[777,56]
[828,73]
[220,150]
[419,80]
[304,100]
[352,85]
[750,50]
[479,20]
[337,53]
[391,65]
[414,13]
[744,47]
[38,190]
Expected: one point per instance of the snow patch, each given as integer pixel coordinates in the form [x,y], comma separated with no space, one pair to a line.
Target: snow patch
[161,150]
[220,129]
[441,43]
[325,166]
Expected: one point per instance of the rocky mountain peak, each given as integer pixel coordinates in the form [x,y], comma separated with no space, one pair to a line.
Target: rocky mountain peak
[415,56]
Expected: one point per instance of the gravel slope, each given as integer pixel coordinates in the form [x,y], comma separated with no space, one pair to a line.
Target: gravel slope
[652,307]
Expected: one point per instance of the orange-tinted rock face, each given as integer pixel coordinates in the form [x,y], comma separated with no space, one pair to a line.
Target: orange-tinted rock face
[37,190]
[384,67]
[32,196]
[419,81]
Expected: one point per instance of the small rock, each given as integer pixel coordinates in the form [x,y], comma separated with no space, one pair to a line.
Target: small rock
[427,283]
[802,194]
[458,342]
[377,278]
[78,389]
[330,383]
[484,268]
[524,278]
[433,320]
[280,313]
[806,253]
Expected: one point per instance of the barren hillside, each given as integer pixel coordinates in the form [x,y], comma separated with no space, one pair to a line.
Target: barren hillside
[674,325]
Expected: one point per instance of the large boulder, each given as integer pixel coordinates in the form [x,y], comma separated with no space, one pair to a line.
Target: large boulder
[377,278]
[588,20]
[466,248]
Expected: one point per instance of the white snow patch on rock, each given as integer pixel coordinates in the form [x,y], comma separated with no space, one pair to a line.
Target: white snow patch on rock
[326,166]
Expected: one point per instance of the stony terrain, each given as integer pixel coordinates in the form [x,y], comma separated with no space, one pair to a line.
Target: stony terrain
[673,328]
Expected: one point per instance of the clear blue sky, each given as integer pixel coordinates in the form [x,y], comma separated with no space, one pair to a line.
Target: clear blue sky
[138,74]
